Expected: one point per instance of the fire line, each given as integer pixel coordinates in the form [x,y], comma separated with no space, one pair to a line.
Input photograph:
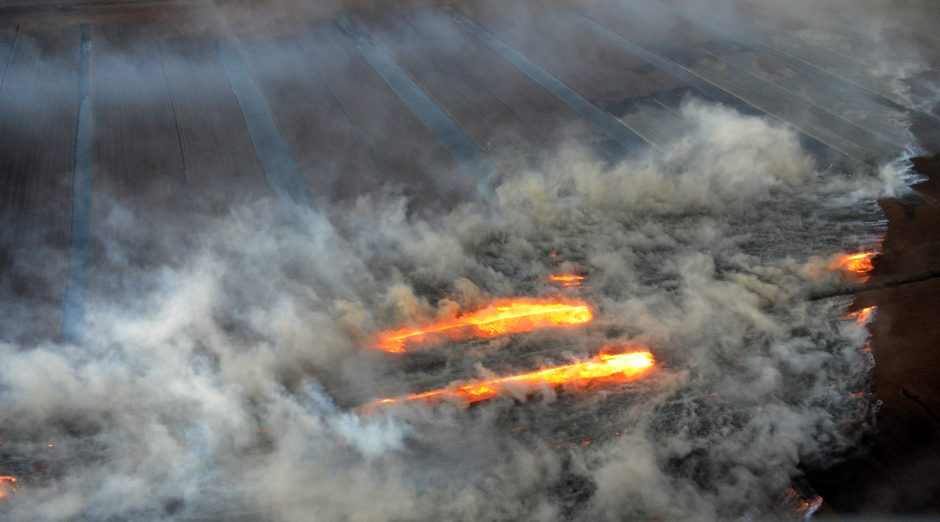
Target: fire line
[7,485]
[862,316]
[505,317]
[858,265]
[567,280]
[603,368]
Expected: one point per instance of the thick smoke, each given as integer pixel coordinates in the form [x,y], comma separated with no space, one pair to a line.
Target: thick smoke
[226,382]
[225,362]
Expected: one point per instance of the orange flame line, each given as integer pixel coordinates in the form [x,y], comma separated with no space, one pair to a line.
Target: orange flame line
[567,280]
[859,264]
[499,318]
[606,367]
[7,484]
[862,316]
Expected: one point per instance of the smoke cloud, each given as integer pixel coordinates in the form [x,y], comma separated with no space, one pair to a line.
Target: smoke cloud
[224,364]
[227,382]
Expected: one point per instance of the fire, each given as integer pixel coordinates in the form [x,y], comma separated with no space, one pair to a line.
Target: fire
[807,507]
[858,264]
[7,485]
[603,368]
[503,317]
[862,316]
[567,280]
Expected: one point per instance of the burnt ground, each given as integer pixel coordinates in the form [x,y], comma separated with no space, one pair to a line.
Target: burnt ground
[895,468]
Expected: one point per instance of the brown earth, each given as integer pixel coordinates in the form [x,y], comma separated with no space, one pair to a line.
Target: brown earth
[897,469]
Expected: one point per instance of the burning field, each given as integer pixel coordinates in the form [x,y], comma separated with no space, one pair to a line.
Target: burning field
[663,332]
[280,372]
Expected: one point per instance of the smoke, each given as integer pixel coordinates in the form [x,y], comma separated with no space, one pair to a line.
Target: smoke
[225,382]
[225,355]
[882,45]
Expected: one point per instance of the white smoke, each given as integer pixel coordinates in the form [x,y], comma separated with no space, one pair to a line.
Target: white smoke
[226,382]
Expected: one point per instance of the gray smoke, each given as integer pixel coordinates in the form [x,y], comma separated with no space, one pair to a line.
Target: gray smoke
[225,357]
[884,45]
[228,381]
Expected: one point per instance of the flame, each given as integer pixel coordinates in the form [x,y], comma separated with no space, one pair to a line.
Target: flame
[803,506]
[503,317]
[606,368]
[807,507]
[7,485]
[862,316]
[567,280]
[858,265]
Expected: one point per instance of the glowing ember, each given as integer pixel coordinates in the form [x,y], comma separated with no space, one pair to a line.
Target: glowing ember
[567,280]
[604,368]
[504,317]
[859,265]
[862,316]
[809,506]
[801,506]
[7,485]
